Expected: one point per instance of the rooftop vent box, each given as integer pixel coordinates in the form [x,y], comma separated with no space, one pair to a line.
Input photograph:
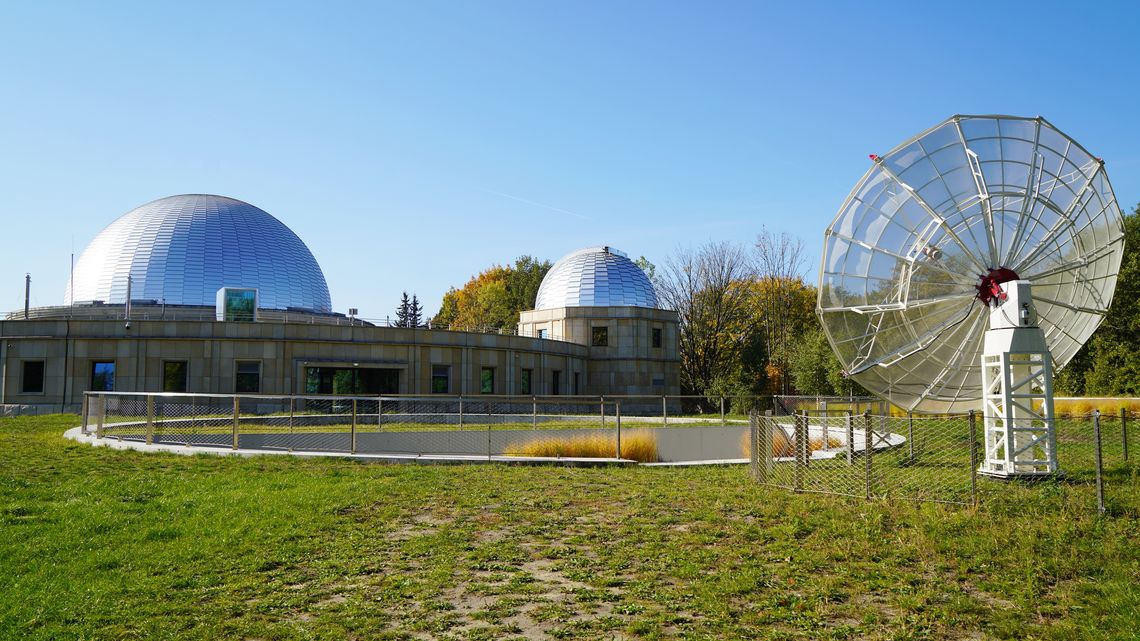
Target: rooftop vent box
[237,304]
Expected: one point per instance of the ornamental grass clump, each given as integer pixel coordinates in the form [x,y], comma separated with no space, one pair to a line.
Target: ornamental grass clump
[782,445]
[640,446]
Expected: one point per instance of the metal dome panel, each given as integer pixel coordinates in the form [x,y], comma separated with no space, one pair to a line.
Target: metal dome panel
[971,198]
[182,249]
[595,277]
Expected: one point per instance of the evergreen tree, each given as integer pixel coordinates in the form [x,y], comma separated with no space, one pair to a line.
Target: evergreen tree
[415,312]
[403,312]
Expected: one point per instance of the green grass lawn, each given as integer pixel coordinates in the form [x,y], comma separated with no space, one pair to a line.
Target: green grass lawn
[103,544]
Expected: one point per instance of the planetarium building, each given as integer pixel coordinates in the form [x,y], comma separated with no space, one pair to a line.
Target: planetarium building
[208,294]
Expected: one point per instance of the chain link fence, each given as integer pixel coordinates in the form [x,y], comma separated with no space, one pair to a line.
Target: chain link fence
[925,457]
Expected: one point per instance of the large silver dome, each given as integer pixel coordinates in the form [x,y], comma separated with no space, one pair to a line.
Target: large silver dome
[595,277]
[182,249]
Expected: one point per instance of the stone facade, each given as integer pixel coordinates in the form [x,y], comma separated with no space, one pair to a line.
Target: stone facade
[624,357]
[283,353]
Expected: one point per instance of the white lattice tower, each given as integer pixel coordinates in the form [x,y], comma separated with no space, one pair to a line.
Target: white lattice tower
[1017,388]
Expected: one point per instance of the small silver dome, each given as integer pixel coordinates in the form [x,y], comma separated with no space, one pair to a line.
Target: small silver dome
[595,277]
[182,249]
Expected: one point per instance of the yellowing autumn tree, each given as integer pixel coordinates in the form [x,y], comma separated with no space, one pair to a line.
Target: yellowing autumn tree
[493,298]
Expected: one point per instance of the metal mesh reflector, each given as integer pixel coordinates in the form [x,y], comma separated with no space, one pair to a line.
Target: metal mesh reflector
[901,260]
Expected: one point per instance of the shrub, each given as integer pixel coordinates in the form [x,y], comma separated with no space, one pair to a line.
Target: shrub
[640,446]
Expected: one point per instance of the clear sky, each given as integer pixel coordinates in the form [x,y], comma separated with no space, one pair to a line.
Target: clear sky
[412,144]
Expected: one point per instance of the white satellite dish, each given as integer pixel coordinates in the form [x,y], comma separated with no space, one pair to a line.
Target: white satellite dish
[942,224]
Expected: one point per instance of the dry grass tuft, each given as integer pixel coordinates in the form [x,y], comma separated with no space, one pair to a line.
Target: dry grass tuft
[817,443]
[640,446]
[782,445]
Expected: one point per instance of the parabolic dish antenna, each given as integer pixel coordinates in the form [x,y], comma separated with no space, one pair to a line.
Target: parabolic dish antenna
[936,225]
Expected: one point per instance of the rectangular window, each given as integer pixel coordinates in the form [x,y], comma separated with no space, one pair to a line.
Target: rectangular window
[575,384]
[440,377]
[542,333]
[348,381]
[555,382]
[103,376]
[32,381]
[487,380]
[174,376]
[657,337]
[524,381]
[599,336]
[247,377]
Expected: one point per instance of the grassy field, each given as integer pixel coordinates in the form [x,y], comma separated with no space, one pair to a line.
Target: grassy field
[102,544]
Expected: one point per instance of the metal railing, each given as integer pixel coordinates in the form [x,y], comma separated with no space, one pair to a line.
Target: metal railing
[441,426]
[145,312]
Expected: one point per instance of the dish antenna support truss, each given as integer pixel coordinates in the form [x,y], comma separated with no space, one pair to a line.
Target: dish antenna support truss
[1017,387]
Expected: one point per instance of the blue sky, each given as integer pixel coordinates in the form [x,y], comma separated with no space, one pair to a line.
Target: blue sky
[413,144]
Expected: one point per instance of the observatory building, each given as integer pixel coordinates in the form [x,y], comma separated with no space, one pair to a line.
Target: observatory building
[211,295]
[598,297]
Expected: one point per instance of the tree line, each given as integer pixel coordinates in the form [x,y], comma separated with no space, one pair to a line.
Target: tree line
[748,325]
[1109,363]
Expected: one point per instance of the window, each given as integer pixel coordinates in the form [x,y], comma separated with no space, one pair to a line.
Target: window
[555,382]
[440,375]
[33,378]
[524,381]
[657,337]
[351,380]
[247,377]
[487,380]
[103,376]
[542,333]
[575,384]
[174,376]
[599,336]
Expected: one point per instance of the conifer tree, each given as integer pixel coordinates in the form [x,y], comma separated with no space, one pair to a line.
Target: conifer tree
[403,312]
[415,312]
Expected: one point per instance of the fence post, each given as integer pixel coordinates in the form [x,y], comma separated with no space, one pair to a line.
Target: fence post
[149,419]
[292,409]
[799,436]
[460,411]
[352,440]
[722,423]
[909,437]
[868,450]
[1124,431]
[237,409]
[379,413]
[1099,464]
[487,405]
[753,440]
[602,409]
[974,458]
[664,412]
[534,413]
[617,412]
[100,413]
[850,437]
